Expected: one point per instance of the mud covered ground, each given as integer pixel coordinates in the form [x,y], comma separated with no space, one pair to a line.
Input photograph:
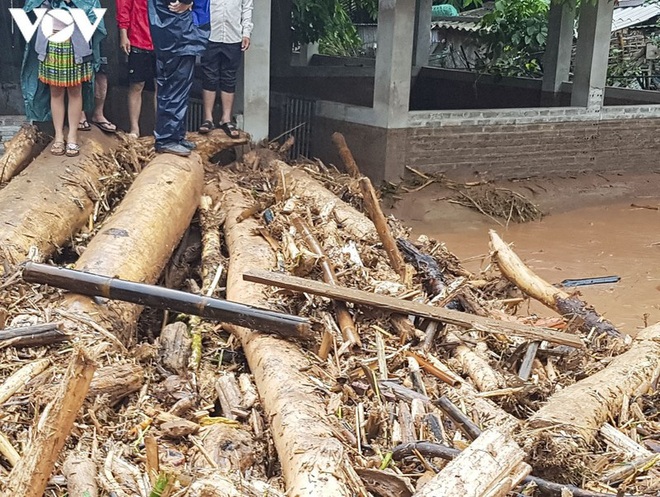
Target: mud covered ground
[591,228]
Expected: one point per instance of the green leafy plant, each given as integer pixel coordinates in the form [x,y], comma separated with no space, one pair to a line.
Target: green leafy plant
[514,36]
[330,22]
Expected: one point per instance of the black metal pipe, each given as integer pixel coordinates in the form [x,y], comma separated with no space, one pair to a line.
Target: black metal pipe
[255,318]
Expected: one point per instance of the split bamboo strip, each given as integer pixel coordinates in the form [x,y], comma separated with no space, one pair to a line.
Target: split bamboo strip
[30,476]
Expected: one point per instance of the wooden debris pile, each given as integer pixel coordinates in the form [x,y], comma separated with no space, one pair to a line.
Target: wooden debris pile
[417,377]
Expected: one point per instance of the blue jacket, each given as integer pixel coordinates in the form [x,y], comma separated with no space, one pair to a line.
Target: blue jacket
[178,34]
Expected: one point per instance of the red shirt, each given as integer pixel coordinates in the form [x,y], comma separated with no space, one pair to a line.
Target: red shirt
[133,16]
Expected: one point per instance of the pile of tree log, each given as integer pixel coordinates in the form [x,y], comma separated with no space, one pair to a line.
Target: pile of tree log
[316,350]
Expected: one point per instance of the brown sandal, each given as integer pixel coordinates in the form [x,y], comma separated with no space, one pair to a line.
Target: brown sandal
[58,148]
[72,149]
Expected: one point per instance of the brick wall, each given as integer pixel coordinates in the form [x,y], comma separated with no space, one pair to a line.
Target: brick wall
[539,149]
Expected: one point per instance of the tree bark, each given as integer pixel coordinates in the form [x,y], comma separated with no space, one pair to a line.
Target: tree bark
[80,475]
[30,476]
[312,193]
[115,382]
[572,417]
[138,239]
[312,459]
[43,208]
[524,278]
[20,151]
[491,466]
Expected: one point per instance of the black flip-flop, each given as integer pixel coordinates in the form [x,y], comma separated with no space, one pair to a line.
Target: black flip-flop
[229,129]
[84,126]
[206,127]
[105,126]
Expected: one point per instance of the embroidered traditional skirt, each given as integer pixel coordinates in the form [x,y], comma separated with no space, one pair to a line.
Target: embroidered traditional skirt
[60,68]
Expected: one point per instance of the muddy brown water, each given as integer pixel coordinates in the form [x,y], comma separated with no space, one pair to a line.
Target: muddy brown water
[605,239]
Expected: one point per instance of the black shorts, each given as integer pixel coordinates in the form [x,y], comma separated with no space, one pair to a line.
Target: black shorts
[220,63]
[141,66]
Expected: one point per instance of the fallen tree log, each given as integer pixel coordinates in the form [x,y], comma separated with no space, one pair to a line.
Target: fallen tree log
[311,192]
[569,306]
[21,150]
[137,240]
[572,417]
[43,208]
[313,461]
[491,466]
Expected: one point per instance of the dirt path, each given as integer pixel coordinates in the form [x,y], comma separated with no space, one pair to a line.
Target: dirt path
[590,230]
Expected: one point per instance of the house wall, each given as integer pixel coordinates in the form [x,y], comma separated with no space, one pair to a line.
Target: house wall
[470,145]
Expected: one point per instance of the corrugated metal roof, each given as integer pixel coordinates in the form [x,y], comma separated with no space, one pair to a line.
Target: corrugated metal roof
[629,16]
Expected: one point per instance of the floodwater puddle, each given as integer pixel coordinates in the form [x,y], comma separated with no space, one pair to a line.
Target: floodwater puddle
[583,242]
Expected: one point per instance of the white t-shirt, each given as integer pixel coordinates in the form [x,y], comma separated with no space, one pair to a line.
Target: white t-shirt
[231,20]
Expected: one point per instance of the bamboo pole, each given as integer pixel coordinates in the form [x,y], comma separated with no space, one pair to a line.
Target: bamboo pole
[164,298]
[515,270]
[344,318]
[30,476]
[20,151]
[313,460]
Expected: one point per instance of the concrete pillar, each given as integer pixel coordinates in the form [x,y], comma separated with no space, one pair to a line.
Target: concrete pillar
[422,42]
[396,22]
[557,57]
[593,48]
[256,76]
[281,40]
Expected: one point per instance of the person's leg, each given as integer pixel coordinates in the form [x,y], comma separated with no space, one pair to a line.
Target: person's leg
[135,106]
[174,76]
[232,56]
[58,111]
[100,94]
[210,66]
[227,100]
[74,109]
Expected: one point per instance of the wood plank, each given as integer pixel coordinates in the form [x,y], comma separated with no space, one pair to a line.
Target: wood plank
[465,320]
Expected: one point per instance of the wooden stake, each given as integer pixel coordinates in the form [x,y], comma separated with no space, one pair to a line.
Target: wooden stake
[30,476]
[378,218]
[346,155]
[487,325]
